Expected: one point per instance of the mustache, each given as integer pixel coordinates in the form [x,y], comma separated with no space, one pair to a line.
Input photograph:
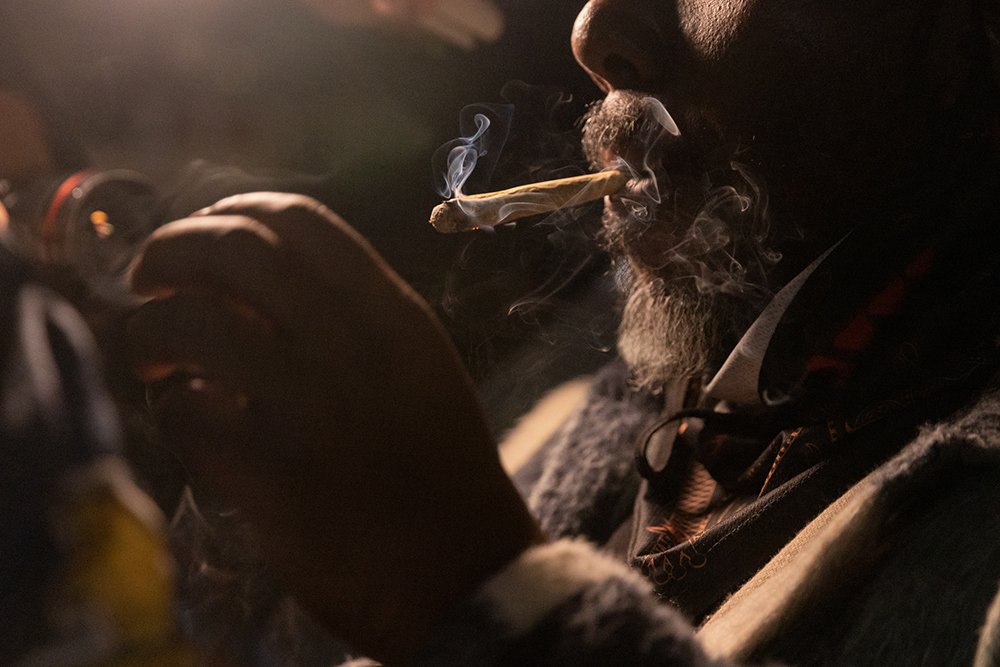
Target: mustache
[696,229]
[627,127]
[664,337]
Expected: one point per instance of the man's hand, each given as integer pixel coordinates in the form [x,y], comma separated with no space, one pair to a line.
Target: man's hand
[295,371]
[370,12]
[464,23]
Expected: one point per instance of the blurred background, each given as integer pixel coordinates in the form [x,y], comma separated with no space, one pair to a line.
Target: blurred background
[211,97]
[120,115]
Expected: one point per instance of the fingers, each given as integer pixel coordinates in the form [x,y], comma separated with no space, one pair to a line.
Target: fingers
[194,253]
[202,422]
[309,230]
[201,336]
[238,257]
[270,293]
[208,366]
[404,10]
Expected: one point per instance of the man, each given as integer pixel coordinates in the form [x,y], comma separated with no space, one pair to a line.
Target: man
[809,279]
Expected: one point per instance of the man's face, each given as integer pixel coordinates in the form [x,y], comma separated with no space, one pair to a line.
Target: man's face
[796,117]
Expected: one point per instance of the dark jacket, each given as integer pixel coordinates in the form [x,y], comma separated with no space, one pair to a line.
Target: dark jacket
[901,569]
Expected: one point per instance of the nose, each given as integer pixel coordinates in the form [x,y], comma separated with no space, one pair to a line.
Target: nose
[620,45]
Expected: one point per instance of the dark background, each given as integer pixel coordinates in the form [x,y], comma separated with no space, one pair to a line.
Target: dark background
[267,96]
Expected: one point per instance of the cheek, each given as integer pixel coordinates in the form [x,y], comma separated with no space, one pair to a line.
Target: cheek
[711,27]
[741,55]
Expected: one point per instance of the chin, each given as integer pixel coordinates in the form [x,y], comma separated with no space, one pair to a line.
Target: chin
[681,317]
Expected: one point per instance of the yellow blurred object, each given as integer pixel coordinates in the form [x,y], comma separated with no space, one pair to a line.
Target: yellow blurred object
[167,656]
[119,574]
[120,566]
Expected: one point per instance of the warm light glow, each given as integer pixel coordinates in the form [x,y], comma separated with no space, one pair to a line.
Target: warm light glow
[103,228]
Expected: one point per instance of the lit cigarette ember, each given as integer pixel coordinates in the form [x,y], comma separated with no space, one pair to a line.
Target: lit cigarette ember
[492,208]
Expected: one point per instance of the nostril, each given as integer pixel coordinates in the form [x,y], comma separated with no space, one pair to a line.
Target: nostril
[622,43]
[621,72]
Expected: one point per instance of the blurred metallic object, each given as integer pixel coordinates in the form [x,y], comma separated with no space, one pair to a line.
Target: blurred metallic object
[87,226]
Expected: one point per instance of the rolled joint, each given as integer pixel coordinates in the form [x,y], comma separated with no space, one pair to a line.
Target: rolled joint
[494,208]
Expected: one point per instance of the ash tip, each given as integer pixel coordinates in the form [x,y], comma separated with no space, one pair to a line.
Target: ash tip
[448,217]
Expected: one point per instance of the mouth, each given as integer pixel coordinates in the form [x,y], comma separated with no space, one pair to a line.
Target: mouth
[664,182]
[676,220]
[637,201]
[632,133]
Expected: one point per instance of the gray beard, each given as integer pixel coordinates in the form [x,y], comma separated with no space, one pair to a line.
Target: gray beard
[663,338]
[693,253]
[668,336]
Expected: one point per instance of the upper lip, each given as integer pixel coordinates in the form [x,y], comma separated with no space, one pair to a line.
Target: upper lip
[648,150]
[666,160]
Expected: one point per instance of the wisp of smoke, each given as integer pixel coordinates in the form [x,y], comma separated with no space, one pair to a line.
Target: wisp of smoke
[519,290]
[692,246]
[484,129]
[231,607]
[708,232]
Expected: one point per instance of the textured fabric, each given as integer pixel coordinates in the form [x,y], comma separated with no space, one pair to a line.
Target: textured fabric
[694,575]
[847,539]
[545,577]
[901,570]
[889,343]
[583,480]
[861,358]
[606,617]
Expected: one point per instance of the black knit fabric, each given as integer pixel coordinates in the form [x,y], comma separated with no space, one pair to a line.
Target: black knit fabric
[583,481]
[917,596]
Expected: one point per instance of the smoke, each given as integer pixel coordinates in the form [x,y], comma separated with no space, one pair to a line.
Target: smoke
[462,159]
[695,230]
[692,246]
[661,116]
[537,295]
[230,604]
[484,129]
